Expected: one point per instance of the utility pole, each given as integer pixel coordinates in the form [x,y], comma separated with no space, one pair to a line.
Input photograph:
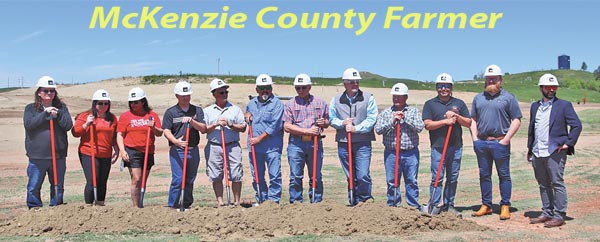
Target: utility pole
[8,82]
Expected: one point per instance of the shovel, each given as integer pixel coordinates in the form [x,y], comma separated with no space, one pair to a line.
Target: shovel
[54,170]
[225,165]
[431,208]
[397,161]
[256,178]
[93,146]
[145,169]
[184,168]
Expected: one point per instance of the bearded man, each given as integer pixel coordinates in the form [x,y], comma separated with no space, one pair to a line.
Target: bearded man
[496,118]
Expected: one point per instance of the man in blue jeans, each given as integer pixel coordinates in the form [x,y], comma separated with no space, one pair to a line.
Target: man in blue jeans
[265,111]
[174,124]
[411,124]
[353,114]
[496,118]
[439,113]
[304,118]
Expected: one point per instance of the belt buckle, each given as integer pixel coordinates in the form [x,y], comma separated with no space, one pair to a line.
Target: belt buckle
[306,138]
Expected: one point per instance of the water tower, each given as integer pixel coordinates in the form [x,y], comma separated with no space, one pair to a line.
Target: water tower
[564,62]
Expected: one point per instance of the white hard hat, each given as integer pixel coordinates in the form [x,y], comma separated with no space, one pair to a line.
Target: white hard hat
[351,74]
[548,80]
[264,80]
[217,83]
[399,89]
[46,81]
[183,88]
[493,70]
[444,78]
[100,95]
[302,80]
[135,94]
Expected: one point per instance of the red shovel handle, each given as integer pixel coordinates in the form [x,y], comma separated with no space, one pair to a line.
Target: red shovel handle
[351,182]
[225,167]
[53,146]
[185,157]
[145,169]
[437,176]
[397,154]
[253,154]
[93,147]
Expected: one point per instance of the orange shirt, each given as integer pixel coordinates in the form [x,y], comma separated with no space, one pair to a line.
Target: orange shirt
[103,138]
[134,130]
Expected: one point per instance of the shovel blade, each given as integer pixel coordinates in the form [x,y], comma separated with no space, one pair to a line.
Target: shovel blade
[431,209]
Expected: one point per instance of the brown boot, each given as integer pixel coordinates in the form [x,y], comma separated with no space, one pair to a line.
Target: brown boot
[484,210]
[504,212]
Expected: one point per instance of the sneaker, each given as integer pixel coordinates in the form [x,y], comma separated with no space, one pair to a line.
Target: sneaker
[453,210]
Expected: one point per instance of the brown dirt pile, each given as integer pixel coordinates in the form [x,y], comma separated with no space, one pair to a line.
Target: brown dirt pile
[268,220]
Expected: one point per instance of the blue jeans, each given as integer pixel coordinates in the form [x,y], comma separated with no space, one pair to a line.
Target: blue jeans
[361,160]
[299,154]
[450,170]
[176,156]
[272,160]
[36,172]
[408,165]
[487,153]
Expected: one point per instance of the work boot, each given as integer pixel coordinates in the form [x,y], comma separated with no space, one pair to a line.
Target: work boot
[484,210]
[555,222]
[453,210]
[504,212]
[539,220]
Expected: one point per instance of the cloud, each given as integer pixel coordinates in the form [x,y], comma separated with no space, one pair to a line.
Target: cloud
[29,36]
[154,42]
[107,52]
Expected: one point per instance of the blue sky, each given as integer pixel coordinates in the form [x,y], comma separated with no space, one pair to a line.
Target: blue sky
[52,38]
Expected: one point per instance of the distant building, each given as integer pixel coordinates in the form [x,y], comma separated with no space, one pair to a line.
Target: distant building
[564,62]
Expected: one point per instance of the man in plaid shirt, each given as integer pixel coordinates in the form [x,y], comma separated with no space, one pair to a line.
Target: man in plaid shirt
[411,124]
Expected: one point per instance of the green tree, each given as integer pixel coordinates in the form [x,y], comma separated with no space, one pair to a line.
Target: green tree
[597,73]
[584,66]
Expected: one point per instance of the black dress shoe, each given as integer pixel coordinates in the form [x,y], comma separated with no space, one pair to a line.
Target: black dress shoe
[539,220]
[554,223]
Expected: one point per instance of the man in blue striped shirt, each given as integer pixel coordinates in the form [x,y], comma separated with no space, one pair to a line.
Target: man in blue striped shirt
[411,124]
[304,118]
[265,111]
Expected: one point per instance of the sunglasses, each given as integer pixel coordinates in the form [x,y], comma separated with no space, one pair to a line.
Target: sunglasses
[301,87]
[262,88]
[48,91]
[103,103]
[550,88]
[223,92]
[351,81]
[135,102]
[443,85]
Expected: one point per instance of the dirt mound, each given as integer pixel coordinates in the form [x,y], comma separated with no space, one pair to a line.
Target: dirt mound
[269,220]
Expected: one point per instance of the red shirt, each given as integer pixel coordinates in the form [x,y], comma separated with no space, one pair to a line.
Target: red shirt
[134,130]
[104,136]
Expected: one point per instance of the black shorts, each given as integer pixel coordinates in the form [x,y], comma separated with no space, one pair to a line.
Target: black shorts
[136,159]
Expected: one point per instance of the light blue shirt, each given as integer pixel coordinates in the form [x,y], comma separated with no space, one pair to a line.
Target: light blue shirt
[266,118]
[542,129]
[365,126]
[232,113]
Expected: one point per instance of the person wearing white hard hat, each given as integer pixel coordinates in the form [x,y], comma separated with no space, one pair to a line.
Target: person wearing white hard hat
[175,122]
[99,120]
[304,118]
[440,113]
[496,118]
[222,115]
[353,114]
[264,112]
[553,132]
[46,106]
[411,124]
[132,130]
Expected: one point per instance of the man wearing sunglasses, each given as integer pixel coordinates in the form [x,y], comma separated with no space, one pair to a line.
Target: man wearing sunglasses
[353,114]
[304,118]
[222,115]
[439,113]
[264,113]
[496,117]
[549,142]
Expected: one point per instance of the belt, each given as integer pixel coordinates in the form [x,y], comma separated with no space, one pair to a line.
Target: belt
[219,144]
[306,138]
[490,138]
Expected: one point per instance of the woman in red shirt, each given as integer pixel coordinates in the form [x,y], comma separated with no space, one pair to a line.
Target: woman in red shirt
[103,123]
[131,138]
